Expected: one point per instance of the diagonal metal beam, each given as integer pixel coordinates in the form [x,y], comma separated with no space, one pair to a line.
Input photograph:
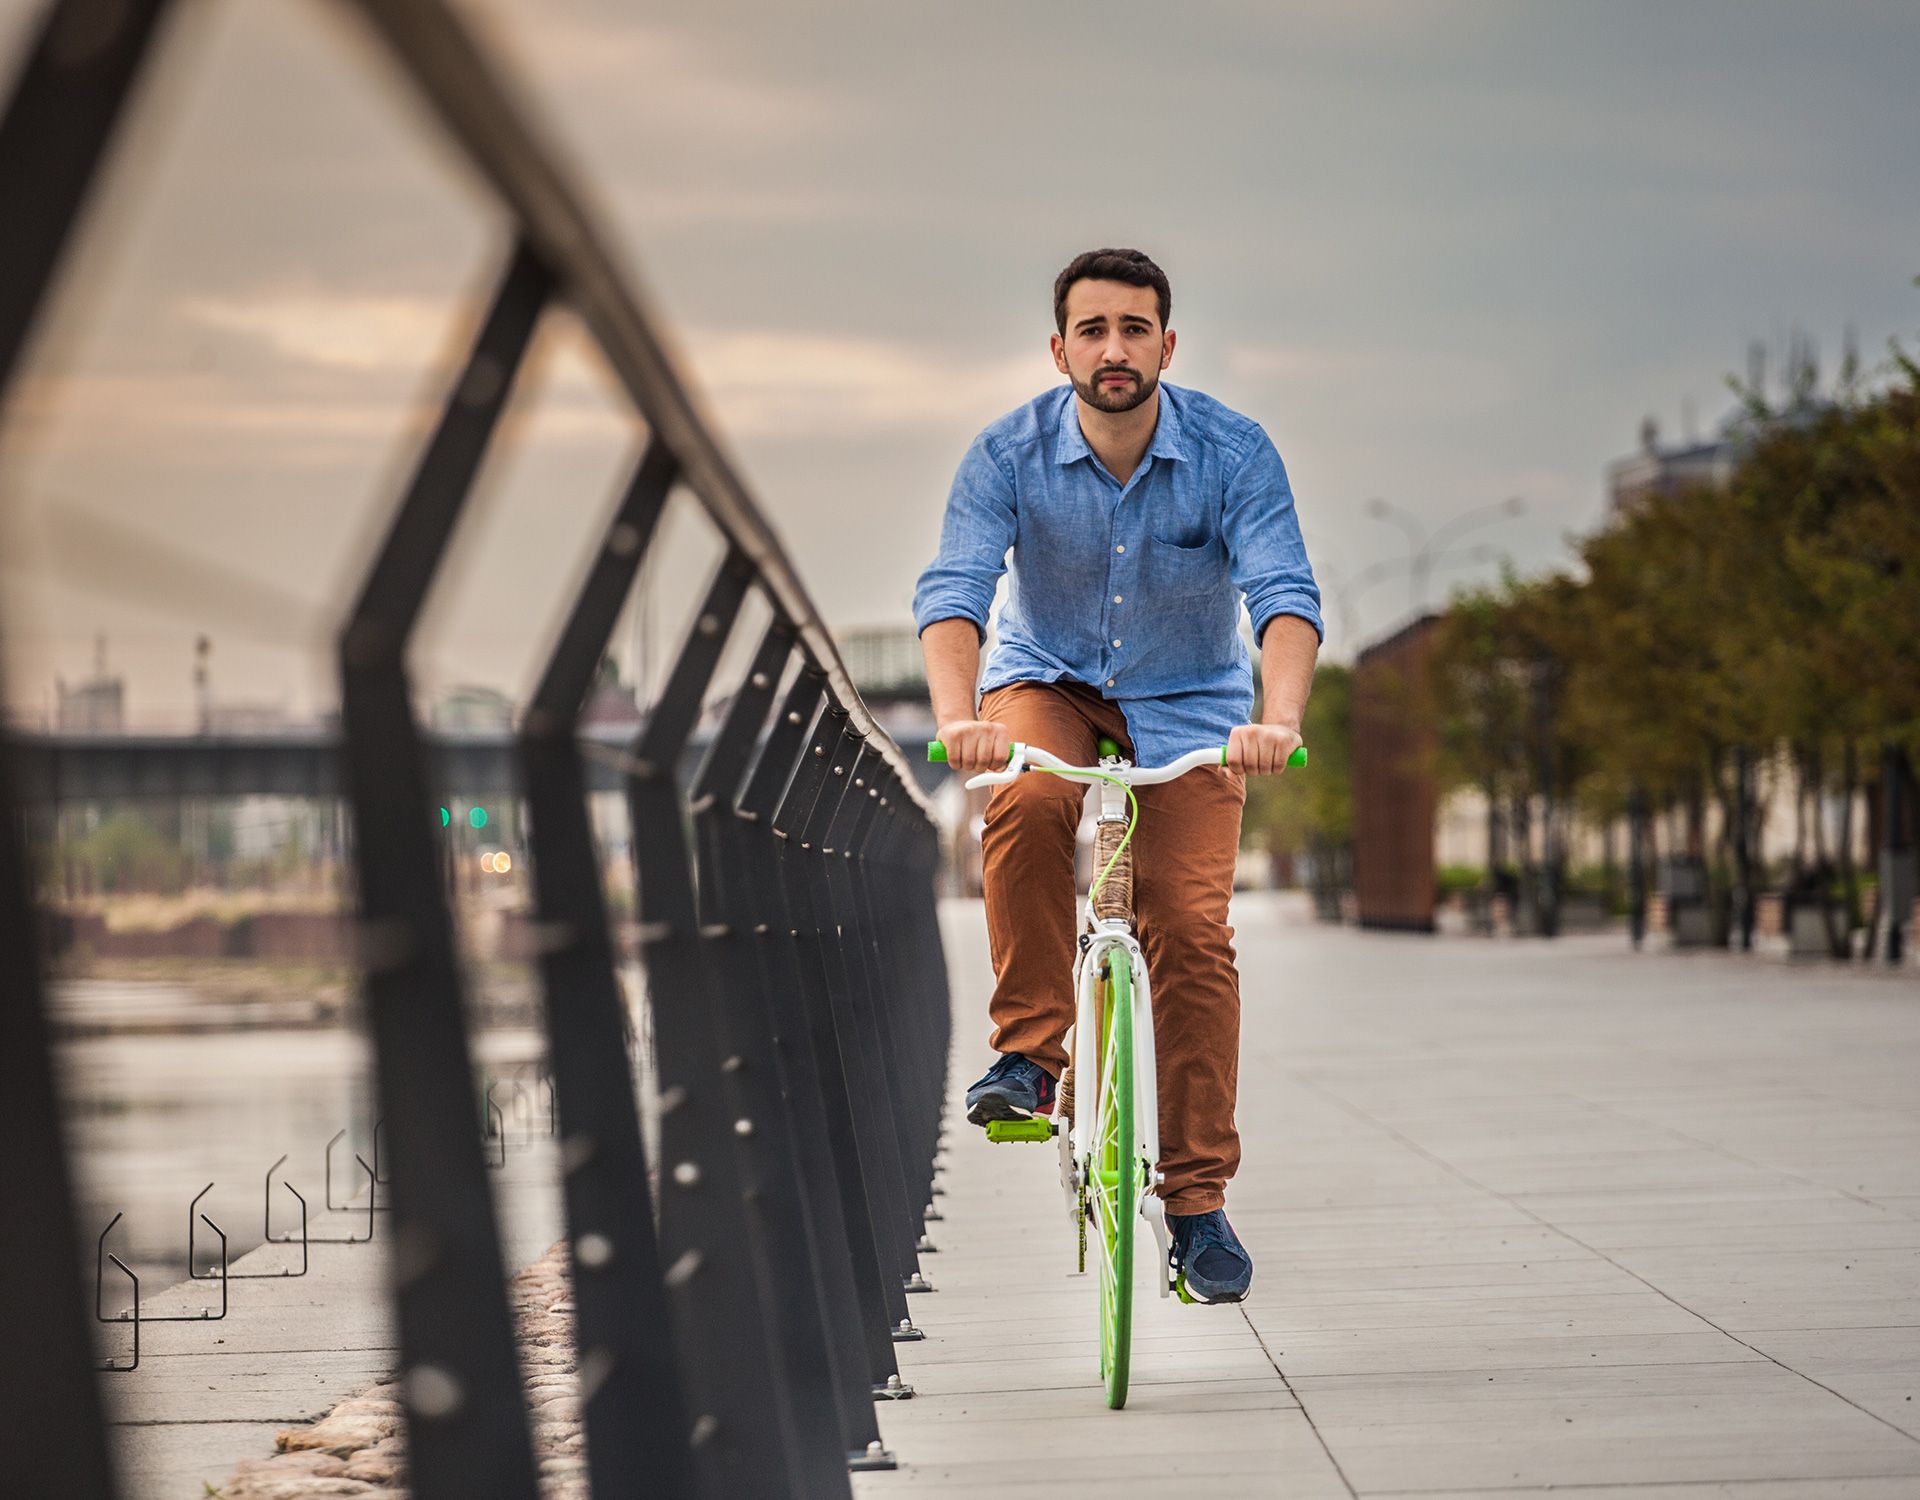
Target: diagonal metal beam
[69,97]
[59,120]
[494,126]
[467,1422]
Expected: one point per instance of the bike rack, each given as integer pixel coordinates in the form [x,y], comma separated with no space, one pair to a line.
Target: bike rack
[373,1191]
[110,1365]
[102,1255]
[496,1127]
[270,1238]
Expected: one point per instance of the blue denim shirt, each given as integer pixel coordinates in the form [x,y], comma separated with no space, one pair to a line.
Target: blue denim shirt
[1131,589]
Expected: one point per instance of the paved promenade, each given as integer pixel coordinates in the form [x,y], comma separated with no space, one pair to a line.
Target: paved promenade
[1528,1218]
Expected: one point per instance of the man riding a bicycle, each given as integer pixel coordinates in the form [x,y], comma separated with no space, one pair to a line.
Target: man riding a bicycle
[1131,517]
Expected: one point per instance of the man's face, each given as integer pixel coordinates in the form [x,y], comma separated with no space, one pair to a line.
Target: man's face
[1114,348]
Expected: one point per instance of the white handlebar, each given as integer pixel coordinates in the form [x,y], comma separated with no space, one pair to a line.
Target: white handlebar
[1027,757]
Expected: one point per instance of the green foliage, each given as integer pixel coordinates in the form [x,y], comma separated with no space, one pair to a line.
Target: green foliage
[1711,627]
[1451,878]
[1312,807]
[125,852]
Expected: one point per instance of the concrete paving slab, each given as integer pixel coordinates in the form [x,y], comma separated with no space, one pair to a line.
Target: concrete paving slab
[1512,1188]
[1699,1424]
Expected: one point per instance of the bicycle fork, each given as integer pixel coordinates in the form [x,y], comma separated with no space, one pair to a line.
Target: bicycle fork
[1112,941]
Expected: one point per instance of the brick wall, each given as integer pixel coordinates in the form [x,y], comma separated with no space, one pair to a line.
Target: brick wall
[1395,738]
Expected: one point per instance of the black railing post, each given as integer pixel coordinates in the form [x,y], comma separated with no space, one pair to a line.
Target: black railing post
[853,1329]
[912,996]
[61,116]
[712,1238]
[763,1086]
[467,1422]
[882,1017]
[812,955]
[860,1022]
[634,1404]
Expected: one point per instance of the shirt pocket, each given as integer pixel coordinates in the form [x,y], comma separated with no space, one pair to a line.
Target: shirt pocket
[1177,569]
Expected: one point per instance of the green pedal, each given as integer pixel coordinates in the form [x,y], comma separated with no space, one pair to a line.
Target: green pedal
[1019,1130]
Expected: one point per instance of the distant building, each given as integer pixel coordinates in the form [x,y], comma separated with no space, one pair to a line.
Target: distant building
[885,663]
[611,704]
[1663,470]
[97,705]
[252,719]
[471,709]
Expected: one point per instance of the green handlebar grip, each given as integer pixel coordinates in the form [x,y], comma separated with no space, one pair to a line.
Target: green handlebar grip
[1298,758]
[936,752]
[1108,747]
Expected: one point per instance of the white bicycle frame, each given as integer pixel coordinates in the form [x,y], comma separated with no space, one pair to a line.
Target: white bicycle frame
[1112,936]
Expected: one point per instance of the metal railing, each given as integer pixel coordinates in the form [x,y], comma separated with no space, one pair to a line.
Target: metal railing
[734,1334]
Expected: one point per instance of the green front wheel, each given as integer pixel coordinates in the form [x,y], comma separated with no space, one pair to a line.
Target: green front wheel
[1115,1195]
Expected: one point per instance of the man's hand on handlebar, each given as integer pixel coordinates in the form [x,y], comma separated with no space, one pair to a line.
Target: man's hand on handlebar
[1261,749]
[975,745]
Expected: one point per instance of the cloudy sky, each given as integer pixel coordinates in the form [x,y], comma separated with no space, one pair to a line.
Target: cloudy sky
[1446,253]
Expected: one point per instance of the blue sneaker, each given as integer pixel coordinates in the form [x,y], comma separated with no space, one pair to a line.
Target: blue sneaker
[1014,1089]
[1208,1253]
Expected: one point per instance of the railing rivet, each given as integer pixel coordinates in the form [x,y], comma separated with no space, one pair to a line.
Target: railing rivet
[792,717]
[433,1392]
[624,540]
[703,1431]
[683,1270]
[708,624]
[734,1063]
[594,1251]
[687,1173]
[671,1098]
[743,1127]
[759,679]
[820,750]
[595,1367]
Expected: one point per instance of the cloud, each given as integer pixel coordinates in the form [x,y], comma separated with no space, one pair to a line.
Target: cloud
[762,383]
[768,384]
[336,331]
[661,79]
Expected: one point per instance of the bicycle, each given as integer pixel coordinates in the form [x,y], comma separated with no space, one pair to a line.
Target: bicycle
[1109,1157]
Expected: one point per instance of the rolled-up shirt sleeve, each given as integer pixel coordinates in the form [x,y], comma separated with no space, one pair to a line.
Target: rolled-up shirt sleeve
[1264,549]
[979,528]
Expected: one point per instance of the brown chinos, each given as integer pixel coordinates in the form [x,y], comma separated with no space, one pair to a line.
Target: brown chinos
[1184,849]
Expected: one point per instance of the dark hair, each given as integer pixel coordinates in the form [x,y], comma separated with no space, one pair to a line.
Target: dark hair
[1134,267]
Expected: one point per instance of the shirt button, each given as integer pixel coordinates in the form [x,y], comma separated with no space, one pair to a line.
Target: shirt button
[1117,599]
[1109,682]
[1116,644]
[1121,548]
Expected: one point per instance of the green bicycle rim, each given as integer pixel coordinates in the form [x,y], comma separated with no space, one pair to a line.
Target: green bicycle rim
[1116,1180]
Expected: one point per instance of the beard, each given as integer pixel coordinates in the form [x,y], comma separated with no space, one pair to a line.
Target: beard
[1120,399]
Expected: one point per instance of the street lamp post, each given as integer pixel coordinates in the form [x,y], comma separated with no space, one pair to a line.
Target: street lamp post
[1424,546]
